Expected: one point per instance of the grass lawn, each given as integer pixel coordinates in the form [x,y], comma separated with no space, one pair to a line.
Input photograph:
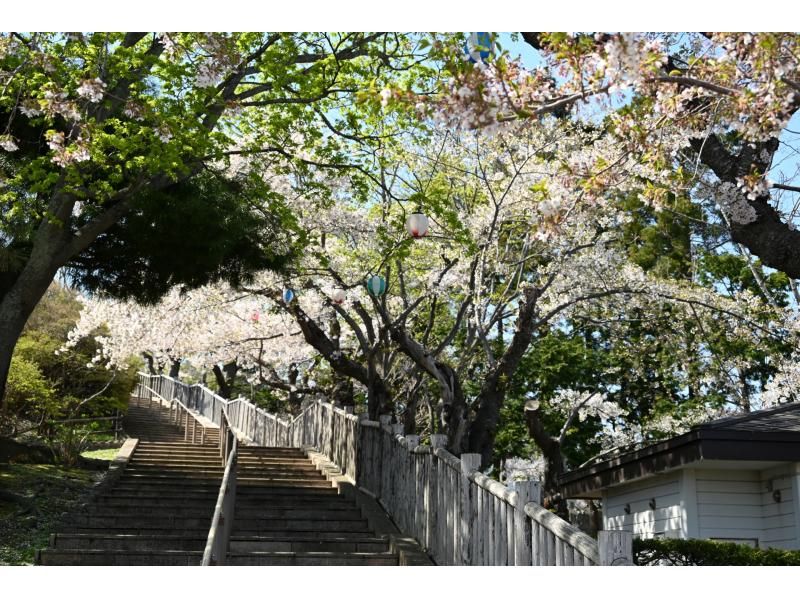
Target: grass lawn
[102,454]
[54,491]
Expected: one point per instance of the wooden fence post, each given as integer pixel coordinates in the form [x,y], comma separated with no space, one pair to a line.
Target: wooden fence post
[470,462]
[527,491]
[435,517]
[412,496]
[615,547]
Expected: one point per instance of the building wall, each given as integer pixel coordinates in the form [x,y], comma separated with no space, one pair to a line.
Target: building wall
[779,519]
[644,521]
[729,505]
[711,504]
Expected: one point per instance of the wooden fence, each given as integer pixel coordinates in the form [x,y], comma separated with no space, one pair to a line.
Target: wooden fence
[459,515]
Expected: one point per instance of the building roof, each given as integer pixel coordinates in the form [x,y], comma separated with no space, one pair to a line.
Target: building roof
[768,435]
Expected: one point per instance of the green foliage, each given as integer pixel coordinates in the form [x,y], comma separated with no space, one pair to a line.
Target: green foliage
[28,391]
[670,551]
[660,242]
[557,360]
[653,364]
[46,386]
[69,440]
[199,231]
[733,274]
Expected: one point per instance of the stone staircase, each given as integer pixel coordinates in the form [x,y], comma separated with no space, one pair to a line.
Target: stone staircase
[158,512]
[287,513]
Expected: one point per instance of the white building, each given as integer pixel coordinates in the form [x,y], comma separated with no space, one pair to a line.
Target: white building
[736,478]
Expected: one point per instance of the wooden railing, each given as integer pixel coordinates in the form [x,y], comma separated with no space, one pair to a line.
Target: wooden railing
[180,414]
[219,534]
[459,515]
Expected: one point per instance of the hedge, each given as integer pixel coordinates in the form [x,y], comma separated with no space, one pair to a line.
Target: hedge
[670,551]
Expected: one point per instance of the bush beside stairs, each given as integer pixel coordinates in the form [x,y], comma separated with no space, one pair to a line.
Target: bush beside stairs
[159,509]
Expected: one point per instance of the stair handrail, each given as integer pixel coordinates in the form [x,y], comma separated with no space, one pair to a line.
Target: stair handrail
[219,534]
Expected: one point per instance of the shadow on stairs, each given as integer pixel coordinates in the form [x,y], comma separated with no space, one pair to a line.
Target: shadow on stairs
[159,508]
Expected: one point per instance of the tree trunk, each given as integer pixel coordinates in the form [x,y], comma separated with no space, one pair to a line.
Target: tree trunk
[150,364]
[21,298]
[226,376]
[343,390]
[175,368]
[551,490]
[378,399]
[493,391]
[483,428]
[410,417]
[554,463]
[454,410]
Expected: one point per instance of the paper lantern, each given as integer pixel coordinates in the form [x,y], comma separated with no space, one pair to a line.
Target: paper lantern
[376,285]
[479,46]
[417,225]
[338,296]
[254,317]
[288,295]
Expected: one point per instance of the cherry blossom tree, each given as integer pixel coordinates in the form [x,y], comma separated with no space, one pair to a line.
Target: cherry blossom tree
[527,237]
[94,121]
[706,113]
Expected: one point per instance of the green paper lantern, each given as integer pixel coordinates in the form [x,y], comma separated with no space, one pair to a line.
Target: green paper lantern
[376,285]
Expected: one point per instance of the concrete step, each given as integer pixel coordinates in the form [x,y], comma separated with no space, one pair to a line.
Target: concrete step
[157,500]
[185,479]
[156,521]
[250,513]
[275,484]
[272,492]
[311,558]
[113,531]
[178,445]
[131,509]
[294,503]
[130,542]
[315,535]
[170,490]
[174,467]
[291,463]
[54,556]
[291,544]
[148,481]
[251,526]
[212,456]
[176,472]
[189,461]
[280,474]
[135,492]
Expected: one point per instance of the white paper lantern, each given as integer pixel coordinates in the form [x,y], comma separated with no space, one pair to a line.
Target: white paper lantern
[417,225]
[338,296]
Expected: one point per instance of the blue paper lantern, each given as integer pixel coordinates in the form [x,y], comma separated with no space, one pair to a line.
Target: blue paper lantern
[479,46]
[288,295]
[376,285]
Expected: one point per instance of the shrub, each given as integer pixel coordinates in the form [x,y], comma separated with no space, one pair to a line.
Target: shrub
[670,551]
[28,390]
